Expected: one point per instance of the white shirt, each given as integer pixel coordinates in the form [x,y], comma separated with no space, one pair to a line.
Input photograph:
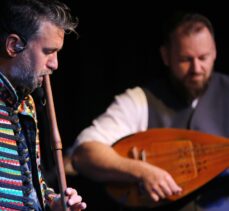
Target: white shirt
[127,114]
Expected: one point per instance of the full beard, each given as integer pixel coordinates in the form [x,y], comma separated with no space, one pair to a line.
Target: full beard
[189,89]
[24,79]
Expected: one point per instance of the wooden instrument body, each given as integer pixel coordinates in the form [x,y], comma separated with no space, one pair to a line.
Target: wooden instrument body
[193,158]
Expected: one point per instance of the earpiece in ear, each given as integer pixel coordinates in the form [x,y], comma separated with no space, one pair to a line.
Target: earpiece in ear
[18,48]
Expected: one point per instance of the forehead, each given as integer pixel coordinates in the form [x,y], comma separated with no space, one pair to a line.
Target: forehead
[190,29]
[50,33]
[200,36]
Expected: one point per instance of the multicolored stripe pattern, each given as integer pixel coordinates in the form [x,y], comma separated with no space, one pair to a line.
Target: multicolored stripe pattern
[15,180]
[12,179]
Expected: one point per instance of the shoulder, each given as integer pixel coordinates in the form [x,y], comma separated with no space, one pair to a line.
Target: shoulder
[135,94]
[218,86]
[135,91]
[219,83]
[221,80]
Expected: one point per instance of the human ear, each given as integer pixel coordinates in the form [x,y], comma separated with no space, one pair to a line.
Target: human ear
[13,45]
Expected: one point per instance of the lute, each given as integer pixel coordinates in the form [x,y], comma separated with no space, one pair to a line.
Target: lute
[193,158]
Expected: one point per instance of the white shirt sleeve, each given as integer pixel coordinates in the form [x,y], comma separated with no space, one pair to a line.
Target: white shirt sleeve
[127,114]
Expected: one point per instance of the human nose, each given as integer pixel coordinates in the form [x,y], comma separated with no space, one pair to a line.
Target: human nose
[196,66]
[53,62]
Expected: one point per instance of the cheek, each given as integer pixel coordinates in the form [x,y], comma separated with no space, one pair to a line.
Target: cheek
[39,65]
[180,70]
[209,67]
[32,61]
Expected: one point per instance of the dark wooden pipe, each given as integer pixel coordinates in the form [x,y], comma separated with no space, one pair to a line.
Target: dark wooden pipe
[55,140]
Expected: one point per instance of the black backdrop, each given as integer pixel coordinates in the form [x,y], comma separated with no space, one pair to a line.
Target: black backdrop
[117,49]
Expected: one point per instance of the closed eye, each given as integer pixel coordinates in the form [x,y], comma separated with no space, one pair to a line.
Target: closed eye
[48,51]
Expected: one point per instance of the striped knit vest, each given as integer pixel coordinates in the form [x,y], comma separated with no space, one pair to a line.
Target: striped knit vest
[15,182]
[15,179]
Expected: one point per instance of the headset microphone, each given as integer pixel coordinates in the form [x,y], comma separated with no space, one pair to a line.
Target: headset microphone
[18,48]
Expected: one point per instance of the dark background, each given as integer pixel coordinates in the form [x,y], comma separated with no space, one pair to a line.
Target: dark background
[118,48]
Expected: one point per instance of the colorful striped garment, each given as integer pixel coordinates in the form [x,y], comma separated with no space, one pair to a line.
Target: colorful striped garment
[15,176]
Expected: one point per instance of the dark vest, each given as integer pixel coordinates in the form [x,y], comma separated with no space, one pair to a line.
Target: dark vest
[166,109]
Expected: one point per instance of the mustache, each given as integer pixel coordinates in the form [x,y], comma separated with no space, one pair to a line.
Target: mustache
[43,73]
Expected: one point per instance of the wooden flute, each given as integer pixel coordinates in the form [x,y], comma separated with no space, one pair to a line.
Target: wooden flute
[55,141]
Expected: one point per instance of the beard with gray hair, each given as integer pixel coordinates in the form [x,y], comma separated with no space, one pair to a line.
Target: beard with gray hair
[23,77]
